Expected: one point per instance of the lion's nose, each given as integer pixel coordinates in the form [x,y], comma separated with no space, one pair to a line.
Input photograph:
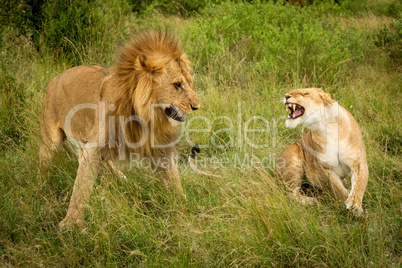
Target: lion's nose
[194,108]
[287,97]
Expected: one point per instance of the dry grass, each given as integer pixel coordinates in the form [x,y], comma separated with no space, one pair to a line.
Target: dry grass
[366,22]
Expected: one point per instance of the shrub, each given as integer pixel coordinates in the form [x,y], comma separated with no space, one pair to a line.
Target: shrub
[64,27]
[177,7]
[69,26]
[25,16]
[389,39]
[277,40]
[12,99]
[379,7]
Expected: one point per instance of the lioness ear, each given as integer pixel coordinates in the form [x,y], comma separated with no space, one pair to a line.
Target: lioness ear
[152,66]
[326,97]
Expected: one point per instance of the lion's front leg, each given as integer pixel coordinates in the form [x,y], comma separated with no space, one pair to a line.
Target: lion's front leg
[359,183]
[169,173]
[87,171]
[173,178]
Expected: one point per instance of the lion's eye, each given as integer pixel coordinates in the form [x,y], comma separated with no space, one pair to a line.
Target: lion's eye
[177,85]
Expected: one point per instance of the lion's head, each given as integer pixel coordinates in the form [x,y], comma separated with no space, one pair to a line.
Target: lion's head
[154,79]
[306,106]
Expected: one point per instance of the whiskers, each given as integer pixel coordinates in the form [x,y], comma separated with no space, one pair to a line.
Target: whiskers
[279,98]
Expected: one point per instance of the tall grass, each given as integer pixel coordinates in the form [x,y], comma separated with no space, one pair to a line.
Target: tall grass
[245,57]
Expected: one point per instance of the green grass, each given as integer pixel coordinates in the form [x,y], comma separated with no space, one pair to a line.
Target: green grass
[245,57]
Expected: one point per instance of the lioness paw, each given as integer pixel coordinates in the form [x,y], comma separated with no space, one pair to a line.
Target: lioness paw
[306,200]
[356,210]
[353,206]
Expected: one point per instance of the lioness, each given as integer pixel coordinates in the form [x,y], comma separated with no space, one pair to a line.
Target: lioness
[130,108]
[331,149]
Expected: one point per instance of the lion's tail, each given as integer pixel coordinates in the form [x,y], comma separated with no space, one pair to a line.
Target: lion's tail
[195,151]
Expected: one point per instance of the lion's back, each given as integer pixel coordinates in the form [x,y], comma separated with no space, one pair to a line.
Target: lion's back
[77,91]
[81,83]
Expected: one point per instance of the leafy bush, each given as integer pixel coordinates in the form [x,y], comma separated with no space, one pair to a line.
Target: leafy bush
[12,98]
[61,26]
[177,7]
[69,25]
[26,16]
[282,41]
[395,9]
[389,39]
[379,7]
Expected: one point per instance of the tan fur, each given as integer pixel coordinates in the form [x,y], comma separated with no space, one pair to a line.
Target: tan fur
[89,105]
[332,149]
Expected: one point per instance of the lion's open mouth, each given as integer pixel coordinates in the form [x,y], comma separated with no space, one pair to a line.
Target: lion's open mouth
[174,113]
[295,110]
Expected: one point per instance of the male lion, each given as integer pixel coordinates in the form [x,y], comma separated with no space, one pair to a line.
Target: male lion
[331,149]
[130,108]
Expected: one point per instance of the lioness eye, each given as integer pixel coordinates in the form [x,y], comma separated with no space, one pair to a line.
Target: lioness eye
[177,85]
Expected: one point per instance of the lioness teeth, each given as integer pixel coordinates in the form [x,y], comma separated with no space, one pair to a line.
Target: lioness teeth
[294,107]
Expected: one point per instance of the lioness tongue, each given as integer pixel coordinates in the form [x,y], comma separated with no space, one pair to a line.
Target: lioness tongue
[296,113]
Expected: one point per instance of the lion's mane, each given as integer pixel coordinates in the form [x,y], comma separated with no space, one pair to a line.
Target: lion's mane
[140,65]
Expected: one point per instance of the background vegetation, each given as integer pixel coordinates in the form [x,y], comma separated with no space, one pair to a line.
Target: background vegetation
[246,55]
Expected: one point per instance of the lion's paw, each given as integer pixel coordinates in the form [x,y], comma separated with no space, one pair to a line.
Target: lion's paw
[63,225]
[67,224]
[121,175]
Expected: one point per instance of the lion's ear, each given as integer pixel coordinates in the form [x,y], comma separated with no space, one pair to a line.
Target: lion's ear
[142,59]
[326,97]
[153,66]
